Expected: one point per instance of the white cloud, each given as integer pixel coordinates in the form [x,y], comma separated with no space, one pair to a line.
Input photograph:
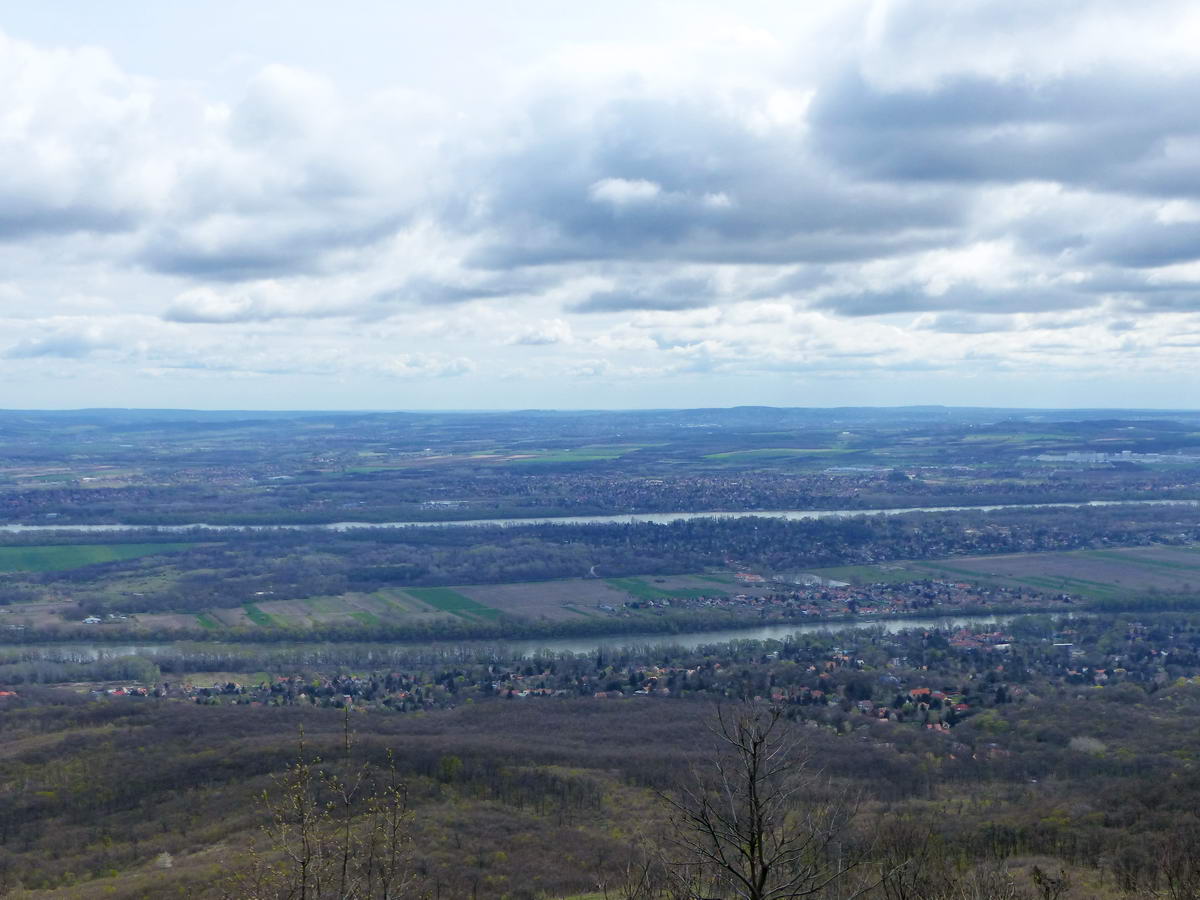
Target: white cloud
[552,331]
[874,188]
[417,365]
[623,191]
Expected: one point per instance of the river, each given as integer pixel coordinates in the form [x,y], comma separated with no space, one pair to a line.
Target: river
[625,519]
[382,653]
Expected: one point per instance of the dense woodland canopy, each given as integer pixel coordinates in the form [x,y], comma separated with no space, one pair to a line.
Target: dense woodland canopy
[1079,762]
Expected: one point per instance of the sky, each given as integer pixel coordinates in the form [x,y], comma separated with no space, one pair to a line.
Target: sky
[289,204]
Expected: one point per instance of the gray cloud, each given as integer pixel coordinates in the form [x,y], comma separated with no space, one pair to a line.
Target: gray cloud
[1136,291]
[657,179]
[960,323]
[1098,129]
[65,346]
[800,281]
[1147,245]
[435,292]
[959,149]
[962,297]
[26,217]
[673,294]
[254,249]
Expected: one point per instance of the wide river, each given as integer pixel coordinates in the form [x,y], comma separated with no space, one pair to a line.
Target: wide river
[372,652]
[625,519]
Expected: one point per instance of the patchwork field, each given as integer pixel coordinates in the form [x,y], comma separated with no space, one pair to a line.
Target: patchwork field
[1095,574]
[553,600]
[1091,574]
[563,600]
[667,587]
[451,601]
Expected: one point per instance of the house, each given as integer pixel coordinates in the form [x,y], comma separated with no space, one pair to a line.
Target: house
[92,620]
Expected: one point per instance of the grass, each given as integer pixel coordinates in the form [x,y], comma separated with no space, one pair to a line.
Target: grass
[1138,560]
[1013,437]
[394,603]
[258,617]
[451,601]
[869,574]
[207,621]
[637,588]
[323,605]
[769,453]
[1079,586]
[583,454]
[643,591]
[367,618]
[968,574]
[60,557]
[1112,572]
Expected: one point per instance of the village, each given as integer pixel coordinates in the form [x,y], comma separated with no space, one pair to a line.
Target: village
[811,595]
[934,678]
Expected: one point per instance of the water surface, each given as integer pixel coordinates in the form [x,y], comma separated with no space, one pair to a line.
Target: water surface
[623,519]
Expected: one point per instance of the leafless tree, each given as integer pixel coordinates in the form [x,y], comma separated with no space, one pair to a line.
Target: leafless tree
[330,836]
[758,821]
[1179,861]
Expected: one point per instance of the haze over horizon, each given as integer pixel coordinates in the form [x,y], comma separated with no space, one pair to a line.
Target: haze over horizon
[650,205]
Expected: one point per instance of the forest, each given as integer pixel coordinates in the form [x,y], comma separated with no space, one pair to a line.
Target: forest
[1049,750]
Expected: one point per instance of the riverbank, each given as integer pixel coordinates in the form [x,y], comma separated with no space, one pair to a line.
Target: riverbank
[795,515]
[379,652]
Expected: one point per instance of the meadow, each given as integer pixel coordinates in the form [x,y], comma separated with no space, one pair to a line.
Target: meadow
[1092,574]
[62,557]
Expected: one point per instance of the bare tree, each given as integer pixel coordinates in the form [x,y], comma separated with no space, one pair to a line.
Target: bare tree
[758,821]
[1179,861]
[330,835]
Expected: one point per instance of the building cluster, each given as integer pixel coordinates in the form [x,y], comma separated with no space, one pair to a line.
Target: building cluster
[831,599]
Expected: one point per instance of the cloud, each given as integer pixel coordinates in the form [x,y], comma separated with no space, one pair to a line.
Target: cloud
[623,192]
[876,187]
[540,334]
[961,297]
[241,248]
[673,294]
[281,182]
[66,345]
[260,302]
[959,323]
[74,138]
[420,365]
[437,291]
[686,178]
[1110,129]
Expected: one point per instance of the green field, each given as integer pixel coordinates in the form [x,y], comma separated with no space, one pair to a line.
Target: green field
[718,579]
[643,591]
[207,621]
[1013,437]
[258,617]
[451,601]
[1093,574]
[583,454]
[773,453]
[871,574]
[60,557]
